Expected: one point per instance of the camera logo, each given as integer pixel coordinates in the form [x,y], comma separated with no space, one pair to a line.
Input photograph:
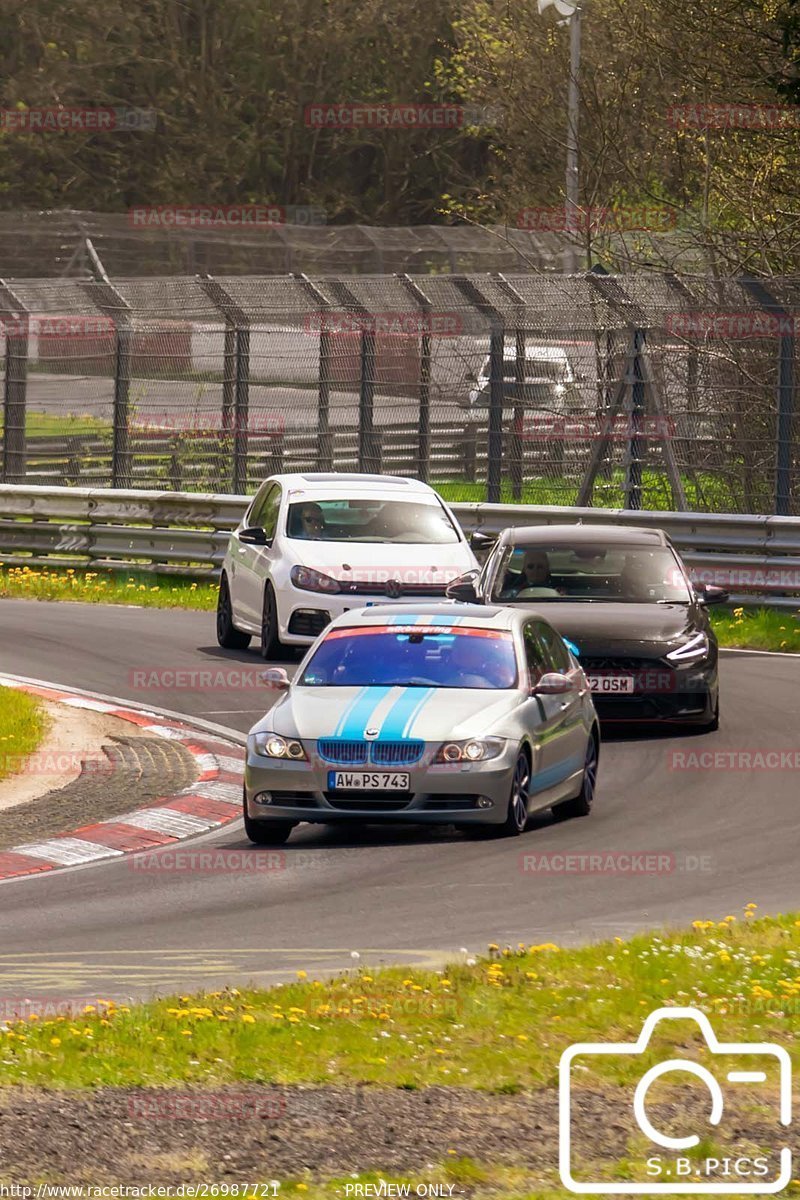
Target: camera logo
[682,1166]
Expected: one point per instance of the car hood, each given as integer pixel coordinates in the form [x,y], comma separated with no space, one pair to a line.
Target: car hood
[598,628]
[379,561]
[432,714]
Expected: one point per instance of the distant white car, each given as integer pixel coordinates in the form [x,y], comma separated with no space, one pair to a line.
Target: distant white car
[550,381]
[313,546]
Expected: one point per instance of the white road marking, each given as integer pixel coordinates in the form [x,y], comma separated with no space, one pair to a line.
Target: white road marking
[234,765]
[212,789]
[67,851]
[94,705]
[206,762]
[169,821]
[166,731]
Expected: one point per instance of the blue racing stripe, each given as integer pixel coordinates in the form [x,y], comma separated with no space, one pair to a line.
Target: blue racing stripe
[403,712]
[356,717]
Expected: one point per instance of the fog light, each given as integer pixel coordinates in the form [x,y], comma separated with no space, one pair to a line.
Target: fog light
[484,802]
[263,798]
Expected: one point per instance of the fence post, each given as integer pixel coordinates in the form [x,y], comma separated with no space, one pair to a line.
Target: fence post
[110,301]
[637,444]
[16,383]
[325,454]
[424,438]
[496,384]
[236,320]
[369,455]
[517,443]
[784,392]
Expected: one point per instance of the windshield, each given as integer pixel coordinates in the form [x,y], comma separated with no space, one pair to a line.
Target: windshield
[414,656]
[399,521]
[554,369]
[632,574]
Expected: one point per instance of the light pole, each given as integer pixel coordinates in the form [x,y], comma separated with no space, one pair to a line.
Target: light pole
[572,13]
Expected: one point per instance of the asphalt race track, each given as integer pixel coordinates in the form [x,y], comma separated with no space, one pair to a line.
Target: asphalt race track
[393,894]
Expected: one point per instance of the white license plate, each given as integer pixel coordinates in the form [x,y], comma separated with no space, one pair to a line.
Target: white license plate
[619,684]
[369,781]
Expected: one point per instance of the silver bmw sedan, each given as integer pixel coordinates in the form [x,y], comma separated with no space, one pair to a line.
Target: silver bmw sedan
[432,714]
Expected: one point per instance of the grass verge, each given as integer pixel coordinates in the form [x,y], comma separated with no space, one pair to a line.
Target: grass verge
[107,587]
[758,629]
[497,1024]
[22,727]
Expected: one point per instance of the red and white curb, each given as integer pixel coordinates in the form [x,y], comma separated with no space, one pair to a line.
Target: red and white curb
[214,799]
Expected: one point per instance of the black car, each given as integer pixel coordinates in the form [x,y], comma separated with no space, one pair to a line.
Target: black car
[621,596]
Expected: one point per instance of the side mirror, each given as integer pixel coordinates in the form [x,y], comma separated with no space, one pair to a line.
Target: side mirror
[463,588]
[276,678]
[479,540]
[552,684]
[254,535]
[709,593]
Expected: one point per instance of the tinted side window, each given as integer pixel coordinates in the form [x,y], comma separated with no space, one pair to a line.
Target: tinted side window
[269,513]
[538,664]
[502,561]
[557,652]
[256,518]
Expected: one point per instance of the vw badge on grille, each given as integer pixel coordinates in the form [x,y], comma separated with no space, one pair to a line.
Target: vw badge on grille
[394,589]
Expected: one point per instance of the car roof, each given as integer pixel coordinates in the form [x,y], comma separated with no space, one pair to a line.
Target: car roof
[582,535]
[541,352]
[479,616]
[309,481]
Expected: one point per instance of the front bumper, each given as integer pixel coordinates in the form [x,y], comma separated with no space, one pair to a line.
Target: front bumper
[662,693]
[439,793]
[302,615]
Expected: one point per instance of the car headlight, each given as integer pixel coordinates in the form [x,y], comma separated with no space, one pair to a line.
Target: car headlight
[272,745]
[314,581]
[692,651]
[471,750]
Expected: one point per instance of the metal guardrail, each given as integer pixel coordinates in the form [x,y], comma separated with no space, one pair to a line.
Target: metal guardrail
[756,557]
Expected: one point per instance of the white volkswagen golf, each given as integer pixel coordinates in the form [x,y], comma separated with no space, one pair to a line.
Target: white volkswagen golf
[311,547]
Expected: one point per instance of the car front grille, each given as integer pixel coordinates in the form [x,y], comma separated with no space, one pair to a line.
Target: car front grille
[361,802]
[295,799]
[396,754]
[362,588]
[308,622]
[629,666]
[350,753]
[344,753]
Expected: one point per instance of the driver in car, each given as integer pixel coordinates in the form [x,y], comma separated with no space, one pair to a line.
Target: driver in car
[312,522]
[532,581]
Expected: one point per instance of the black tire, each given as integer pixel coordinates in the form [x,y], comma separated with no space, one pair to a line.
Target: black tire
[228,636]
[581,805]
[517,815]
[713,724]
[267,833]
[271,647]
[516,819]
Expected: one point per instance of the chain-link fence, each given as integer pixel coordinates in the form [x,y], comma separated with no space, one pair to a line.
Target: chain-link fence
[629,391]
